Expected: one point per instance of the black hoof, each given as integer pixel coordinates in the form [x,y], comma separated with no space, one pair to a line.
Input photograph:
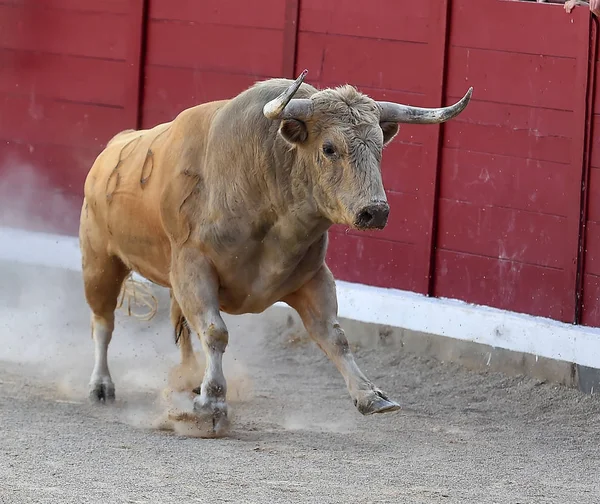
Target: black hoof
[102,392]
[211,417]
[376,401]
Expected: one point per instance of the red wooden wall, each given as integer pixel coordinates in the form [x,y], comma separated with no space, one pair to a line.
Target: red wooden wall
[67,83]
[209,50]
[510,176]
[590,282]
[498,207]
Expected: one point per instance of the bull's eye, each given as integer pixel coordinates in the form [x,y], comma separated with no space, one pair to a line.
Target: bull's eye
[328,149]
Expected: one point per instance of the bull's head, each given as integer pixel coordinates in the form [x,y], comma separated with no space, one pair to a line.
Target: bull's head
[340,134]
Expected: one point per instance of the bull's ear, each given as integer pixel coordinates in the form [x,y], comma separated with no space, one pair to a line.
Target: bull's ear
[390,130]
[293,131]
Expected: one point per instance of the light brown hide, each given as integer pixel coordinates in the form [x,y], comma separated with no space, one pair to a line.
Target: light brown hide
[230,210]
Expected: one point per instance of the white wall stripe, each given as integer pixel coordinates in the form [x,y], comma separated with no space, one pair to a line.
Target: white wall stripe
[442,317]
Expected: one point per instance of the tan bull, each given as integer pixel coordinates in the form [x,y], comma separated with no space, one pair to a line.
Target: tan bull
[229,206]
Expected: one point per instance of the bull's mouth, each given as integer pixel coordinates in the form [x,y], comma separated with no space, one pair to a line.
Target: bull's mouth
[360,227]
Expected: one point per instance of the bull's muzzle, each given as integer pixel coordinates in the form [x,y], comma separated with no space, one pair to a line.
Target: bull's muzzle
[373,216]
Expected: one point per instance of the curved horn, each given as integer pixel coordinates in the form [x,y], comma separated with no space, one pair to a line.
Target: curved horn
[394,112]
[283,107]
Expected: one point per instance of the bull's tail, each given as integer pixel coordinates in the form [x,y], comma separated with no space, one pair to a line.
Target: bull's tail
[141,294]
[182,329]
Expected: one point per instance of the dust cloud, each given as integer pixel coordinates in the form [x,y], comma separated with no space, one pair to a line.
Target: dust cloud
[29,200]
[45,332]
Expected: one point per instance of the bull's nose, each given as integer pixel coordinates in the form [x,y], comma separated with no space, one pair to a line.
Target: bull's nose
[373,216]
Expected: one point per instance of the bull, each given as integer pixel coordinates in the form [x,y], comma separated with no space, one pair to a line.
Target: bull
[228,206]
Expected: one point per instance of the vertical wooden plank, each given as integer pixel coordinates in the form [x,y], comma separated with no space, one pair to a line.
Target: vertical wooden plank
[290,38]
[135,62]
[580,159]
[438,40]
[591,56]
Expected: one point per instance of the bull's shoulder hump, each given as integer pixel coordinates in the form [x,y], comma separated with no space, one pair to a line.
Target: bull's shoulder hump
[202,113]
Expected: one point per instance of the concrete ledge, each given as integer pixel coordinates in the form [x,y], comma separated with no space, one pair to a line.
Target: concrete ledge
[476,336]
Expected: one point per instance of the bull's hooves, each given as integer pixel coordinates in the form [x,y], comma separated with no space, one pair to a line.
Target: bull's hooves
[102,392]
[197,390]
[211,418]
[376,402]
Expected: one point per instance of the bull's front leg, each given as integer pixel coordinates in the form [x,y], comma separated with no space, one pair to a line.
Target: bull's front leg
[195,286]
[316,303]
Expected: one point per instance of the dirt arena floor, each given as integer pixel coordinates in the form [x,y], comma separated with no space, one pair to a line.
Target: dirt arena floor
[462,437]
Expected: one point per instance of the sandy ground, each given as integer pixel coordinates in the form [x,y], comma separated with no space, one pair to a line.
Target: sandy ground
[462,437]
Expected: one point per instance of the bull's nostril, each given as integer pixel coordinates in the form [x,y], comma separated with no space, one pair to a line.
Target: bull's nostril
[366,217]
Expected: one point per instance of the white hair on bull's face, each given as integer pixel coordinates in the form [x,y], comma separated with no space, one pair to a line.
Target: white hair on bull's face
[346,105]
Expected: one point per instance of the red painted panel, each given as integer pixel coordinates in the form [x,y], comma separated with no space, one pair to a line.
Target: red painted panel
[596,90]
[97,6]
[594,195]
[70,78]
[290,38]
[590,315]
[54,165]
[497,76]
[152,117]
[502,233]
[374,63]
[372,262]
[503,284]
[382,19]
[518,147]
[534,29]
[508,130]
[595,157]
[64,32]
[492,179]
[259,13]
[51,122]
[256,51]
[592,248]
[168,91]
[401,166]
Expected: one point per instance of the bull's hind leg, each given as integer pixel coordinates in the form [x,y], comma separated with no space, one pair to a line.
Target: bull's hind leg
[103,277]
[196,287]
[316,303]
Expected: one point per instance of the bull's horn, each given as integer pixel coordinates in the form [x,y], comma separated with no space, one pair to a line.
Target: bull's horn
[394,112]
[284,107]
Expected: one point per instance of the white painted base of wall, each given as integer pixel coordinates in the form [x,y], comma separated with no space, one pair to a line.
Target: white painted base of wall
[442,317]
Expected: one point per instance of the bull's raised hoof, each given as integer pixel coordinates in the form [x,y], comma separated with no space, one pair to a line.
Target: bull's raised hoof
[375,401]
[211,417]
[103,391]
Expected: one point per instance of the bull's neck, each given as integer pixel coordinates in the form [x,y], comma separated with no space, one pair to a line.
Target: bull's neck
[293,183]
[269,180]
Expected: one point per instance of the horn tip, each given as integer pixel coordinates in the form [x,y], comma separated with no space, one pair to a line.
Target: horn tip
[302,75]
